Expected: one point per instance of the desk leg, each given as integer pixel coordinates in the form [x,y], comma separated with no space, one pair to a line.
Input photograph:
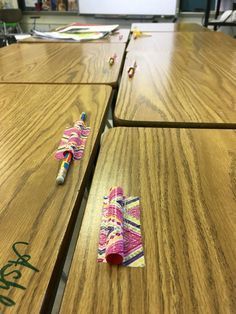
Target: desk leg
[207,13]
[218,3]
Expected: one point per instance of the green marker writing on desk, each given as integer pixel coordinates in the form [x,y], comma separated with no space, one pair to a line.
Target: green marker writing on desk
[65,165]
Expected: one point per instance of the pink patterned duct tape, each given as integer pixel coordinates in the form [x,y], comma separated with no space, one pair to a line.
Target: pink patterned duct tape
[73,141]
[120,239]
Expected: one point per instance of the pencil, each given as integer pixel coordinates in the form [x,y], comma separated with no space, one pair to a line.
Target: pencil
[65,165]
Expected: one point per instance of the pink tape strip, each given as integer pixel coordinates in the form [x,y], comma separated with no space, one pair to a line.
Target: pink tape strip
[73,141]
[120,239]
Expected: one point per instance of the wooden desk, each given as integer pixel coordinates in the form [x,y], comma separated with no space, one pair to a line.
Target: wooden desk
[186,181]
[33,208]
[61,63]
[179,88]
[186,40]
[168,27]
[121,36]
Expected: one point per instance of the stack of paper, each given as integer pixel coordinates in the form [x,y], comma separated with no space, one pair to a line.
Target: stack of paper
[78,32]
[88,28]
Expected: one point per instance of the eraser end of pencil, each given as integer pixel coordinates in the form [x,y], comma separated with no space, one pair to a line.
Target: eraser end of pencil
[83,116]
[60,180]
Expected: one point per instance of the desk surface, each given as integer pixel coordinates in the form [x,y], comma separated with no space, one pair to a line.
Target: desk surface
[61,63]
[186,40]
[179,88]
[121,36]
[186,181]
[168,27]
[33,208]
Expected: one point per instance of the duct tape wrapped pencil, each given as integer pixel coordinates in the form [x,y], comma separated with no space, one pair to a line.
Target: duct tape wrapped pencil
[71,147]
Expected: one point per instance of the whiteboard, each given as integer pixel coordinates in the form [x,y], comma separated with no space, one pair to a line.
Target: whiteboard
[128,7]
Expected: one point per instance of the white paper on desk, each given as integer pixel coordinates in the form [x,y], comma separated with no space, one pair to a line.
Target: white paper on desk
[89,28]
[21,36]
[68,36]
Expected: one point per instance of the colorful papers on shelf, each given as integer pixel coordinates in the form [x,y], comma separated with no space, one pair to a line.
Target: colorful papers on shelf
[84,36]
[120,240]
[73,141]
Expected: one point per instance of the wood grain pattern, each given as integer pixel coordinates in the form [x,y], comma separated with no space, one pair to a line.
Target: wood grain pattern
[121,36]
[60,63]
[179,88]
[33,208]
[170,41]
[169,27]
[187,181]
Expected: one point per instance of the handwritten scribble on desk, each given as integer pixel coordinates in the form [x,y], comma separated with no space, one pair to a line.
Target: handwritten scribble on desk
[9,274]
